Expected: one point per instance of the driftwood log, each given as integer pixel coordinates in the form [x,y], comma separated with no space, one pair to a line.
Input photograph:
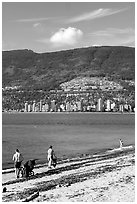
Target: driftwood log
[31,197]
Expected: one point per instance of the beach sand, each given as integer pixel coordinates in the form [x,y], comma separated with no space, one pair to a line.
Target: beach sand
[109,177]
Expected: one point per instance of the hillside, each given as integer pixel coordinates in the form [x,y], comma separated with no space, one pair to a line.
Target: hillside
[47,71]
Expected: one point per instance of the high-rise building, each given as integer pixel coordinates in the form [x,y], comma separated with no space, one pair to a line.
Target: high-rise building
[26,107]
[121,108]
[29,108]
[62,106]
[113,106]
[46,107]
[108,105]
[40,106]
[43,108]
[79,105]
[34,106]
[74,107]
[126,107]
[53,106]
[99,105]
[68,107]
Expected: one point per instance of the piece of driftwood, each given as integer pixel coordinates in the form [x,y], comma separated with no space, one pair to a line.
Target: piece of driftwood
[31,197]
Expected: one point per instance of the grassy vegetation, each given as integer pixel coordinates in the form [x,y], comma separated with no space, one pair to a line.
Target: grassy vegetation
[48,70]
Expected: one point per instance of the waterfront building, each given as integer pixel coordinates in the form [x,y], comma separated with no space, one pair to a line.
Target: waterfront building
[58,110]
[108,108]
[43,108]
[34,106]
[53,106]
[46,107]
[79,105]
[99,105]
[62,106]
[126,107]
[26,107]
[130,109]
[37,108]
[113,105]
[71,107]
[84,108]
[29,108]
[40,106]
[88,108]
[121,108]
[68,107]
[75,107]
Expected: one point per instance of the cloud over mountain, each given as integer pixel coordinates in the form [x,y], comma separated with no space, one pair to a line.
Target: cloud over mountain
[68,36]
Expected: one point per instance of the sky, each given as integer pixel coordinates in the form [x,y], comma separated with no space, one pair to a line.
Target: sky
[53,26]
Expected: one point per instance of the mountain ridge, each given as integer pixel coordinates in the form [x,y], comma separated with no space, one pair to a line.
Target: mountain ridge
[47,71]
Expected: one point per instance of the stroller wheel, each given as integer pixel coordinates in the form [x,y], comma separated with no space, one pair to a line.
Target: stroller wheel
[22,172]
[32,173]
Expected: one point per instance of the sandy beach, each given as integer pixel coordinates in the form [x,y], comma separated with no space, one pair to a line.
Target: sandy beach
[109,177]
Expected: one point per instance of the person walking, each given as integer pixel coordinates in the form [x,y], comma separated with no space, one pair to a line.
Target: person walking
[51,154]
[121,144]
[17,158]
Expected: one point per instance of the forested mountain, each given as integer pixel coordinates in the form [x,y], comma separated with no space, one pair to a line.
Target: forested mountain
[47,71]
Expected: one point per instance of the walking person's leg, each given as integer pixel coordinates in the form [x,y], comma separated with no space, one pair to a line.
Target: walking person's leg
[18,166]
[18,171]
[49,162]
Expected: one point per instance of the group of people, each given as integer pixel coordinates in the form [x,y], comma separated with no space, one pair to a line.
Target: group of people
[52,159]
[18,159]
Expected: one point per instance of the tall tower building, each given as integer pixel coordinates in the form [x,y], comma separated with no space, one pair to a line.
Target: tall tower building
[79,105]
[26,107]
[29,108]
[121,108]
[46,107]
[53,106]
[34,106]
[40,106]
[99,105]
[108,105]
[68,107]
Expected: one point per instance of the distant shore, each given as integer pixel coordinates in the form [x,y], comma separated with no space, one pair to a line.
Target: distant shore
[65,112]
[106,177]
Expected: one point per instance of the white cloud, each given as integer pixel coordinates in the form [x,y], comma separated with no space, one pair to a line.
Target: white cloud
[95,14]
[68,36]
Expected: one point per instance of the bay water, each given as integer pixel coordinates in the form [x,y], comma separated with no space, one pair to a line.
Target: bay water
[70,134]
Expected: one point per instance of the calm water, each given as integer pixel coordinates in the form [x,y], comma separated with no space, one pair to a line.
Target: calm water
[70,134]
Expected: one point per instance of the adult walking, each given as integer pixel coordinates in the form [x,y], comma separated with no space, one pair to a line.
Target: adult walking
[51,157]
[121,144]
[17,158]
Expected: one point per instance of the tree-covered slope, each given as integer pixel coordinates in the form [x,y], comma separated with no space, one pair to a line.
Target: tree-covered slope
[26,68]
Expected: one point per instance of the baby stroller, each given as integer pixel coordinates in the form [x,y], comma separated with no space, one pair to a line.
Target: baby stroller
[54,161]
[28,168]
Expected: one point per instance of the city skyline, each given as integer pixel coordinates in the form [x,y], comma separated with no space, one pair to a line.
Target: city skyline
[55,26]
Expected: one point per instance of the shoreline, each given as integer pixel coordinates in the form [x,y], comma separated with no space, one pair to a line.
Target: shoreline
[83,179]
[72,158]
